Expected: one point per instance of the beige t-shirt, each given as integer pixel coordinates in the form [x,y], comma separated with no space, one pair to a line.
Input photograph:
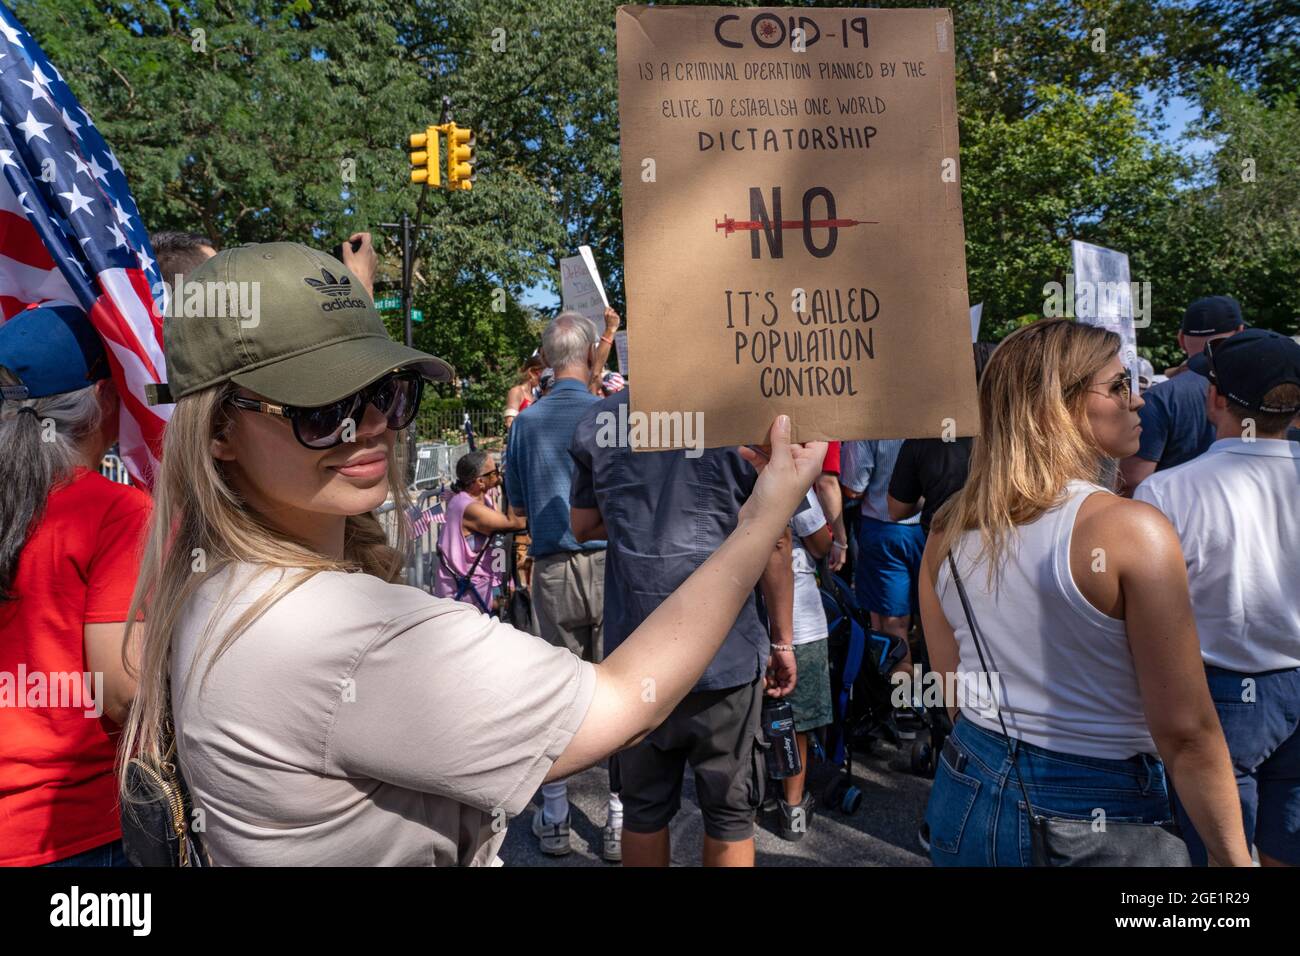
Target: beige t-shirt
[363,723]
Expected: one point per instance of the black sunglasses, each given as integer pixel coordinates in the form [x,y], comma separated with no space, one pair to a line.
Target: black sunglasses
[396,395]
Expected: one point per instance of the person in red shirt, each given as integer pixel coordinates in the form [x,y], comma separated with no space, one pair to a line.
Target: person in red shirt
[830,498]
[69,558]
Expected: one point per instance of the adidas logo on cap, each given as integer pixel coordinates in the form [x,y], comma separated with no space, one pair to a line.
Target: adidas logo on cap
[336,288]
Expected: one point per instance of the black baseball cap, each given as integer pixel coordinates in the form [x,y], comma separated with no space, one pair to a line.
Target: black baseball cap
[1247,366]
[315,338]
[1212,315]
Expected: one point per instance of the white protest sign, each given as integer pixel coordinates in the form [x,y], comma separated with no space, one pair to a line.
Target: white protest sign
[581,288]
[1103,297]
[620,343]
[976,311]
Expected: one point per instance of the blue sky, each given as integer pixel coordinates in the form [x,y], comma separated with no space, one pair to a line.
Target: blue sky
[1175,118]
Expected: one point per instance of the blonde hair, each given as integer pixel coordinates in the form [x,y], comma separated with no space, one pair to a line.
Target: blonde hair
[199,526]
[1034,434]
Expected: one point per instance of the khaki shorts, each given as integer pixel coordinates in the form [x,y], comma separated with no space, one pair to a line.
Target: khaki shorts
[569,598]
[718,733]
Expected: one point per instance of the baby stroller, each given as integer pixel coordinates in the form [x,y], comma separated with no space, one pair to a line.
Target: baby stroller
[860,661]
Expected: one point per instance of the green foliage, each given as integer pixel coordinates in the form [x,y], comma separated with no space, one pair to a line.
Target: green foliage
[1238,227]
[254,120]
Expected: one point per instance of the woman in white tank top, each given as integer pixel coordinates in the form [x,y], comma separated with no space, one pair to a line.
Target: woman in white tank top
[1081,603]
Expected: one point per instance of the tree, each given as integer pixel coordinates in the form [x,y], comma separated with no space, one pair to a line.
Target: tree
[272,119]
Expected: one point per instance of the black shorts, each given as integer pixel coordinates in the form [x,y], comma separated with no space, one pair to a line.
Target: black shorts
[718,733]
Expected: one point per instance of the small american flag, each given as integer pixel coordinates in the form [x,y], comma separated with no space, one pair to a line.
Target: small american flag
[71,233]
[420,520]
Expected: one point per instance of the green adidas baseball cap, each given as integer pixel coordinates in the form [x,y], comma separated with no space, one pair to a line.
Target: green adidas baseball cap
[286,321]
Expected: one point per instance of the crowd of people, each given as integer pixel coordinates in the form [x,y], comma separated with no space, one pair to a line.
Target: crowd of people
[1106,571]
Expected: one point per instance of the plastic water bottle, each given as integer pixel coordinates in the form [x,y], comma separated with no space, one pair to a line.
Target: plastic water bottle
[778,727]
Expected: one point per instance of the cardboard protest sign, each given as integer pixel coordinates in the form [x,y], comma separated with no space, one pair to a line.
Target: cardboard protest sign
[1103,296]
[580,287]
[620,343]
[792,221]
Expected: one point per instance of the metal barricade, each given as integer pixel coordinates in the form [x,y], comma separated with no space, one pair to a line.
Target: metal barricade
[435,463]
[420,555]
[114,469]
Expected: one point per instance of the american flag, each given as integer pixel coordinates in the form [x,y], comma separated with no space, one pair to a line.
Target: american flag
[420,520]
[71,233]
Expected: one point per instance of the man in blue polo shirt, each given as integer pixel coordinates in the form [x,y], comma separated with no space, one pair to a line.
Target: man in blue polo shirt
[1175,428]
[1237,513]
[568,581]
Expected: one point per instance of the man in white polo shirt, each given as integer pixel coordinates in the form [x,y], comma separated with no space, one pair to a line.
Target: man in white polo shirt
[1236,509]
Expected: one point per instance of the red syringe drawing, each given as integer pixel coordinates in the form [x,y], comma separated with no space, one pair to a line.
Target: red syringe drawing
[729,225]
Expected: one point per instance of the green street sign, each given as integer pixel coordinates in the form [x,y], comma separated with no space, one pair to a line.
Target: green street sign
[388,302]
[417,315]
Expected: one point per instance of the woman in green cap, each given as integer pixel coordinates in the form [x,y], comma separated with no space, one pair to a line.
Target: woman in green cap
[322,713]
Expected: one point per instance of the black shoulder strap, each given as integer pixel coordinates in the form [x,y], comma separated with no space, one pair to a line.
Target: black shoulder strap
[975,636]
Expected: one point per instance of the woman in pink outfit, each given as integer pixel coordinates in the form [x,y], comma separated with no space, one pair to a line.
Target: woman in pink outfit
[470,524]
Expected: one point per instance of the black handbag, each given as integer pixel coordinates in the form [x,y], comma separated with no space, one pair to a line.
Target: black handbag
[1061,841]
[157,812]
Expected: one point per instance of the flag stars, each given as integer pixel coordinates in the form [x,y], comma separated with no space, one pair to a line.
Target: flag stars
[146,261]
[12,34]
[39,90]
[7,158]
[123,217]
[119,238]
[81,165]
[70,123]
[98,171]
[32,128]
[78,202]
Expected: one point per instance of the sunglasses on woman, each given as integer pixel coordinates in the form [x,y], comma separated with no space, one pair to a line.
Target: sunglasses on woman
[396,395]
[1120,389]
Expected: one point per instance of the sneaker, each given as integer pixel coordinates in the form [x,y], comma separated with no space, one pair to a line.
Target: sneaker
[923,836]
[552,837]
[769,801]
[611,845]
[796,820]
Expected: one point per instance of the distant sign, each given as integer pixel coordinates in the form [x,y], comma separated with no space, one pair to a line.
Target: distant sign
[620,343]
[581,288]
[388,302]
[1103,296]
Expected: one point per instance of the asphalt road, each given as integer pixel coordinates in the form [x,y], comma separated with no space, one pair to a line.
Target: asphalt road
[881,833]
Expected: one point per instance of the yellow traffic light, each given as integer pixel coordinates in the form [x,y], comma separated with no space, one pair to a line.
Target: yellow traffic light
[460,154]
[425,167]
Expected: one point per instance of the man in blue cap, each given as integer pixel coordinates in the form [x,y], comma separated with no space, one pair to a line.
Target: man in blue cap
[1237,513]
[1174,426]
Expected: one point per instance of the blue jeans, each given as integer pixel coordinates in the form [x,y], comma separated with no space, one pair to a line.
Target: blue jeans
[110,854]
[977,814]
[1261,723]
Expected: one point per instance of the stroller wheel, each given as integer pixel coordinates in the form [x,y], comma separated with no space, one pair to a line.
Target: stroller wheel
[834,793]
[852,800]
[922,758]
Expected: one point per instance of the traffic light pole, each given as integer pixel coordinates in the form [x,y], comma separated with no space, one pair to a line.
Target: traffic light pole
[406,278]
